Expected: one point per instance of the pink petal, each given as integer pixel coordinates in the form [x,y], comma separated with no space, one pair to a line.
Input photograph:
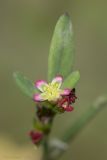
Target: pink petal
[38,97]
[69,109]
[57,80]
[65,92]
[40,85]
[36,136]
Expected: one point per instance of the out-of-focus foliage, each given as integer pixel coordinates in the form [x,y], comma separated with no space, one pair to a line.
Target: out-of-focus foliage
[25,84]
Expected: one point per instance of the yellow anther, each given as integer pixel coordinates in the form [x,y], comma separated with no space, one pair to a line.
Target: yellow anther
[51,91]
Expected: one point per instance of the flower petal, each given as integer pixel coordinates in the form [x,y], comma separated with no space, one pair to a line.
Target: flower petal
[69,109]
[39,97]
[36,136]
[40,85]
[57,81]
[65,92]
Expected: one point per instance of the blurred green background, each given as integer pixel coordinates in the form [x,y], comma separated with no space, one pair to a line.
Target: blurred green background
[26,28]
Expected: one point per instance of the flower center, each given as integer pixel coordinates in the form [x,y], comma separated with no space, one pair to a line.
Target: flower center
[52,91]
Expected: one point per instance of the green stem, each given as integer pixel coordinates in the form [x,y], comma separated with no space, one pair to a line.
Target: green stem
[45,149]
[73,131]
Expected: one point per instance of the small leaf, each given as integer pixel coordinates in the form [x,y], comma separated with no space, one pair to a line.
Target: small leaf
[71,80]
[25,84]
[61,55]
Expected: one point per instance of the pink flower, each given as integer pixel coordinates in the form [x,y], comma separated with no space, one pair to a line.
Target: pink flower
[51,91]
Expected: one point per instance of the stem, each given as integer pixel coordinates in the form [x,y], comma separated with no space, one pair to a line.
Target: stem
[73,131]
[45,149]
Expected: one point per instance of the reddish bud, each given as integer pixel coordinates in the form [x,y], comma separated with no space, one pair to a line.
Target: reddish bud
[36,136]
[66,101]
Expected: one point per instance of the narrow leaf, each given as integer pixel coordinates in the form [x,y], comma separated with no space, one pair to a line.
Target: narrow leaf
[71,80]
[84,120]
[61,55]
[25,84]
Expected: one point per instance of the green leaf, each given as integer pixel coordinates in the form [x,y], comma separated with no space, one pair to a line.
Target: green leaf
[61,55]
[71,80]
[25,84]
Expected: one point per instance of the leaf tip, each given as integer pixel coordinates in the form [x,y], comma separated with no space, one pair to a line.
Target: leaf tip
[78,74]
[66,14]
[16,74]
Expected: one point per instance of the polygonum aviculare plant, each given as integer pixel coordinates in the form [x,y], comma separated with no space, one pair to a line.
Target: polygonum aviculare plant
[58,94]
